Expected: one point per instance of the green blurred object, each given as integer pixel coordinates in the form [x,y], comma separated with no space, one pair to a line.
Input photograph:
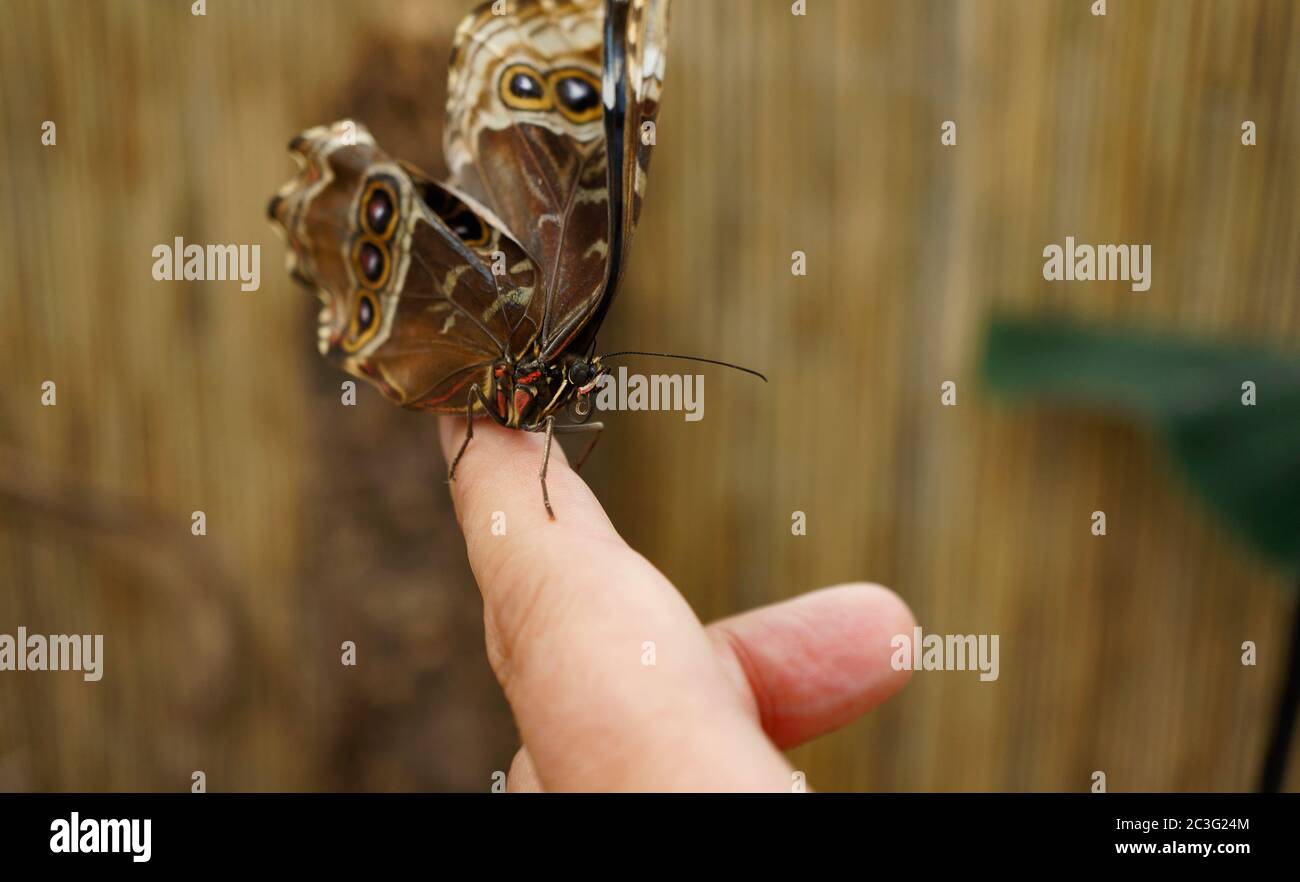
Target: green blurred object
[1243,458]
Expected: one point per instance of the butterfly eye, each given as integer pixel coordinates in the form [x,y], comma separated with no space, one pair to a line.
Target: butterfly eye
[522,88]
[580,373]
[372,263]
[365,314]
[578,94]
[525,86]
[458,216]
[469,228]
[365,321]
[379,209]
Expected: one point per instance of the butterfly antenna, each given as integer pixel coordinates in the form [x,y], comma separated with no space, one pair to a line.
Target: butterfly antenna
[687,358]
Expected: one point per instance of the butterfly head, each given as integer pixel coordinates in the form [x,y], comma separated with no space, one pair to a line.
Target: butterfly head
[585,375]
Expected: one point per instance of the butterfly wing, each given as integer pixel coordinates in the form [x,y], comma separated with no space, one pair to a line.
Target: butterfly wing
[545,108]
[647,57]
[636,35]
[422,289]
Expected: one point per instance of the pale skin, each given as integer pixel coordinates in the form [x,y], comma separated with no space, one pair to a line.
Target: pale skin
[569,607]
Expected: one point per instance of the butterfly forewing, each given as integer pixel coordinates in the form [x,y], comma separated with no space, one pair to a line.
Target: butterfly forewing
[527,136]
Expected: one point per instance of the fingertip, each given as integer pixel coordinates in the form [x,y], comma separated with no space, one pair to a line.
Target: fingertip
[879,615]
[880,607]
[817,661]
[499,470]
[510,535]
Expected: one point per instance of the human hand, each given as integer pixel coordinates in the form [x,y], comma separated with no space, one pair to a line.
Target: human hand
[568,606]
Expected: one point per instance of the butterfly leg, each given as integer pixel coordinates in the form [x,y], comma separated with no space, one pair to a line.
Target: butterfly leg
[551,431]
[597,428]
[475,394]
[546,460]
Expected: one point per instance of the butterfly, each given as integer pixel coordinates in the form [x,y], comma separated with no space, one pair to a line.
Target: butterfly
[483,294]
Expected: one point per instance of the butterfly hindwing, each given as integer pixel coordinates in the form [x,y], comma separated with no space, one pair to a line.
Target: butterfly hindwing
[422,290]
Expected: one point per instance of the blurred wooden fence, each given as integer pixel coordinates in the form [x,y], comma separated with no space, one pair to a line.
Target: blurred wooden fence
[780,133]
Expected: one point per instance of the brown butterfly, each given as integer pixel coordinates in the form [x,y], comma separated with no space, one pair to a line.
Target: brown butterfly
[483,294]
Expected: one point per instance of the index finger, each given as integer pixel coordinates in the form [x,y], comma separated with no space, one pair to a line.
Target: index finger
[613,682]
